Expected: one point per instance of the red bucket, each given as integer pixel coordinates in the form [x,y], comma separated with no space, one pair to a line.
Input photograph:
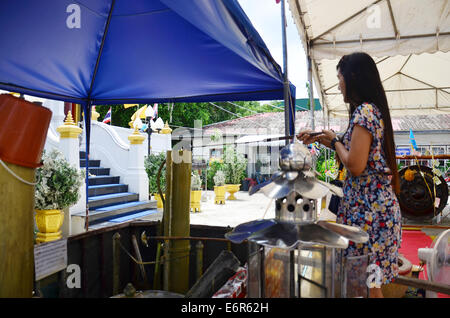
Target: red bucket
[23,131]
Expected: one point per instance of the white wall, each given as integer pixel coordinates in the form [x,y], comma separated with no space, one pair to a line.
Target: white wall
[109,144]
[440,137]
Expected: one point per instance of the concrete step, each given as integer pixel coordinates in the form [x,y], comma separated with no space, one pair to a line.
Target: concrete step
[148,215]
[112,199]
[99,171]
[152,214]
[92,163]
[98,180]
[96,190]
[117,211]
[109,201]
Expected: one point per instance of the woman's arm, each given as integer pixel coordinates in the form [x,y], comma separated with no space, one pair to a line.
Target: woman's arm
[355,159]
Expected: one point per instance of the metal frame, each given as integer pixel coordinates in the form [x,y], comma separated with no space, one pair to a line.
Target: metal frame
[329,257]
[323,285]
[399,72]
[342,22]
[406,37]
[296,9]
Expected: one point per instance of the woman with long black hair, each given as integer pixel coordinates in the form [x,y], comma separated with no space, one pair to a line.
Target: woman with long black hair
[367,151]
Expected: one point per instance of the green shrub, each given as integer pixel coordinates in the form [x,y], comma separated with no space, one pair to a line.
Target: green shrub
[214,166]
[152,164]
[219,178]
[326,167]
[235,166]
[58,183]
[196,181]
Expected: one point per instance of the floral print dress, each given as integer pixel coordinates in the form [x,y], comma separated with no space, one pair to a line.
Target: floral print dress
[369,201]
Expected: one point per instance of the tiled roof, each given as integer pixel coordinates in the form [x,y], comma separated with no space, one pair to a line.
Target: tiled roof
[273,123]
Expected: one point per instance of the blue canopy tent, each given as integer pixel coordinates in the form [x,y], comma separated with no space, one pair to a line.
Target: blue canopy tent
[95,52]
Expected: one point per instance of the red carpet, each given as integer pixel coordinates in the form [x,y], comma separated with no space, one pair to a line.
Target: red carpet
[412,240]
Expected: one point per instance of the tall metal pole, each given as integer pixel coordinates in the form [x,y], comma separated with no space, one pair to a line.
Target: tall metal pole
[87,130]
[287,104]
[311,95]
[149,136]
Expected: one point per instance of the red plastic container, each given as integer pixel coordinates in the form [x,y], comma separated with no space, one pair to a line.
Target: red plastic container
[23,131]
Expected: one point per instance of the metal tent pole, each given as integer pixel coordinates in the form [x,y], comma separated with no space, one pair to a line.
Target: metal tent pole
[311,94]
[87,131]
[287,104]
[87,110]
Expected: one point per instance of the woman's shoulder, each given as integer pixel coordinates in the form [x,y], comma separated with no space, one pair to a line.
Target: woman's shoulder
[367,107]
[368,116]
[368,110]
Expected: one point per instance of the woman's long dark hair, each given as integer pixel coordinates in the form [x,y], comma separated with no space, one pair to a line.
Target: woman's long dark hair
[363,84]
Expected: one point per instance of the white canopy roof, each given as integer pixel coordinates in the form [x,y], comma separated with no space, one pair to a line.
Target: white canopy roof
[408,39]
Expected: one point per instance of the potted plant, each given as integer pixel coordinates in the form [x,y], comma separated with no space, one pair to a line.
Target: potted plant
[219,187]
[235,166]
[152,164]
[214,165]
[196,191]
[58,187]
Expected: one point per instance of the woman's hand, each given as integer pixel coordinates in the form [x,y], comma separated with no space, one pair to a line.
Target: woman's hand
[306,138]
[326,137]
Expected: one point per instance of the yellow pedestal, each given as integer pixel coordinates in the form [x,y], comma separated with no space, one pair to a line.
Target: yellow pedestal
[219,191]
[48,223]
[196,197]
[232,189]
[48,237]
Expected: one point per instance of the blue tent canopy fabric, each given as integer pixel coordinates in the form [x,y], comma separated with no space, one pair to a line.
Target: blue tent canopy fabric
[95,52]
[135,51]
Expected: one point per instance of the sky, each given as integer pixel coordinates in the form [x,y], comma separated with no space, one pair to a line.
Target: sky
[265,16]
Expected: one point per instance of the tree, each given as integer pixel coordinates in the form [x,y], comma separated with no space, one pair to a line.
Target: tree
[184,114]
[120,116]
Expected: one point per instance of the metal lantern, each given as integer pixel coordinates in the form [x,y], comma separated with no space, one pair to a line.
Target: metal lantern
[295,254]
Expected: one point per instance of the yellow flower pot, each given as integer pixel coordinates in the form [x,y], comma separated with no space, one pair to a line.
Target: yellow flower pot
[49,223]
[219,191]
[196,196]
[232,189]
[159,203]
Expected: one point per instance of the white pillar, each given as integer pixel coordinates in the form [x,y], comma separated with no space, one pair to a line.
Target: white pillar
[69,145]
[57,108]
[136,177]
